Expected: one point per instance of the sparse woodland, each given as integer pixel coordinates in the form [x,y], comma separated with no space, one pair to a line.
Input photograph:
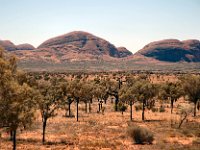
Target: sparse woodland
[97,110]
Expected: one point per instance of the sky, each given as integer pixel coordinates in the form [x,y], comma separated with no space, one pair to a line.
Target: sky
[128,23]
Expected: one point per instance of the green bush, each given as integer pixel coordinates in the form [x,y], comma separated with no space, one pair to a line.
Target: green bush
[141,135]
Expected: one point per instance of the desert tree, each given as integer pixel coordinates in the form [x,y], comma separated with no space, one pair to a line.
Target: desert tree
[69,101]
[52,97]
[87,94]
[144,92]
[127,95]
[81,90]
[75,91]
[67,98]
[191,87]
[23,77]
[18,107]
[172,91]
[100,93]
[113,90]
[17,101]
[104,86]
[130,80]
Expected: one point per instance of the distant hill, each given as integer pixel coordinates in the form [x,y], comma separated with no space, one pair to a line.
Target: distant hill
[9,46]
[72,47]
[172,50]
[80,50]
[25,47]
[79,44]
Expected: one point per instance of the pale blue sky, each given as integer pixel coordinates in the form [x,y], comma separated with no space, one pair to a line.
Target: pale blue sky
[129,23]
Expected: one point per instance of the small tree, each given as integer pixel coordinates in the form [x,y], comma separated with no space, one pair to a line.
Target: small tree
[127,95]
[69,101]
[113,90]
[184,112]
[75,92]
[122,107]
[87,93]
[144,92]
[191,87]
[100,93]
[172,91]
[52,97]
[67,98]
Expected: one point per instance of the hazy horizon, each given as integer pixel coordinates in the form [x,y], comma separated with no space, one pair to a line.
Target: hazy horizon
[128,23]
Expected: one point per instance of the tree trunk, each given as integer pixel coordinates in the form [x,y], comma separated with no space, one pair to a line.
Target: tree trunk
[99,107]
[111,101]
[195,108]
[105,101]
[44,130]
[14,139]
[120,83]
[85,107]
[131,111]
[77,110]
[90,107]
[181,122]
[69,107]
[116,102]
[11,135]
[172,105]
[143,108]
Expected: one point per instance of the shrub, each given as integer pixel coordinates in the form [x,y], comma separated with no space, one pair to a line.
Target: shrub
[63,141]
[122,107]
[154,109]
[141,135]
[196,141]
[138,107]
[162,108]
[187,133]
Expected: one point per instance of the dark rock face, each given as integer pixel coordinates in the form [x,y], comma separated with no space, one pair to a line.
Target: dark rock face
[83,43]
[123,52]
[173,50]
[9,46]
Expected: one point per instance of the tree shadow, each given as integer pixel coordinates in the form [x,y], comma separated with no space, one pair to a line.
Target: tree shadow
[154,120]
[37,141]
